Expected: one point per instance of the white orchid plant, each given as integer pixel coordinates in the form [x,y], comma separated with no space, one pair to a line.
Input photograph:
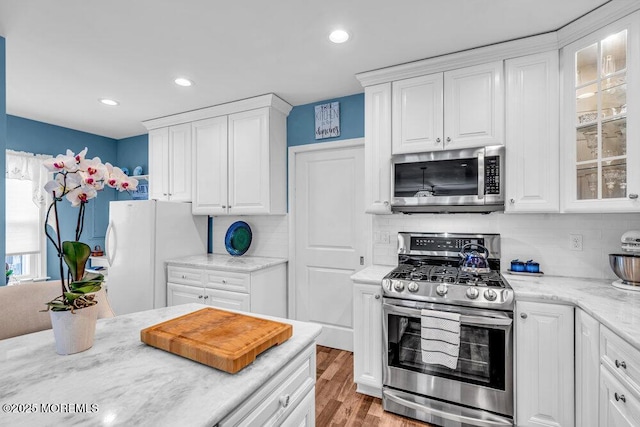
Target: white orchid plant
[78,179]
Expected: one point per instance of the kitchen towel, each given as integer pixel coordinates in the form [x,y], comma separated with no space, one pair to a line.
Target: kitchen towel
[440,338]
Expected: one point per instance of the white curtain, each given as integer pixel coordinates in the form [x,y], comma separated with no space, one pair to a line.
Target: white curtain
[23,220]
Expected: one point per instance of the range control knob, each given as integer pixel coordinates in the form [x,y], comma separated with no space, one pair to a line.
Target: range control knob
[472,293]
[490,295]
[398,286]
[413,287]
[441,289]
[386,284]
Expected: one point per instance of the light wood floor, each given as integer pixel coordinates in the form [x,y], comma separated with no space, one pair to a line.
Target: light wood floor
[338,404]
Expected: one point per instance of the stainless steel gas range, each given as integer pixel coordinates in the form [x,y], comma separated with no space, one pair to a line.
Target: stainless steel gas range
[439,274]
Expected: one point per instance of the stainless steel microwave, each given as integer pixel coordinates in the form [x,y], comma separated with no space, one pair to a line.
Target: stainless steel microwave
[466,180]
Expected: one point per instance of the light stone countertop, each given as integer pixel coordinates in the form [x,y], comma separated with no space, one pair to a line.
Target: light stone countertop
[242,264]
[617,309]
[131,383]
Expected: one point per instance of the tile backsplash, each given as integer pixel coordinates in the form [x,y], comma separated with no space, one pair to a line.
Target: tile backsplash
[270,234]
[542,237]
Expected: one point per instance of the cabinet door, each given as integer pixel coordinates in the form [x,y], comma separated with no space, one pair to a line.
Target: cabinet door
[587,346]
[180,163]
[367,343]
[181,294]
[618,406]
[377,148]
[544,365]
[159,164]
[210,166]
[601,120]
[224,299]
[533,182]
[417,114]
[249,184]
[474,106]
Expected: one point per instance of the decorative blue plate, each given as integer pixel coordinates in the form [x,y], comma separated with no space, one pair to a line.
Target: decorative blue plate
[238,238]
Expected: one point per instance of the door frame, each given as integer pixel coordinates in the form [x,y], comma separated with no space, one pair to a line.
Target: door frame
[291,187]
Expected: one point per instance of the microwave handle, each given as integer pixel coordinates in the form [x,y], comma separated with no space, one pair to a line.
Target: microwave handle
[481,174]
[464,319]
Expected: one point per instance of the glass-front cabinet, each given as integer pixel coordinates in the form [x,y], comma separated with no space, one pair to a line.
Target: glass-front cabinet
[601,149]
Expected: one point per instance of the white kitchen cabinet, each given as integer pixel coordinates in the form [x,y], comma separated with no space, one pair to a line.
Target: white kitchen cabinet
[260,291]
[587,370]
[456,109]
[601,120]
[288,399]
[240,163]
[619,407]
[367,333]
[377,148]
[170,163]
[544,364]
[532,133]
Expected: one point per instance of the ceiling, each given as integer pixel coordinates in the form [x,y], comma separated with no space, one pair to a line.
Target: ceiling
[63,55]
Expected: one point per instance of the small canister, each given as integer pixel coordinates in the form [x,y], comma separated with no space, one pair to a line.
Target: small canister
[517,265]
[532,267]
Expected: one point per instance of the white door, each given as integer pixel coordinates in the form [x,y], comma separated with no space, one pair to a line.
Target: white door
[329,229]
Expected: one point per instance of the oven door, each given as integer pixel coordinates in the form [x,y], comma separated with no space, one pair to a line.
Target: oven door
[483,377]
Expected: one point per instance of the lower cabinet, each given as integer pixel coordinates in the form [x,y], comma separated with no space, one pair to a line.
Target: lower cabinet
[544,365]
[587,347]
[261,291]
[367,338]
[288,399]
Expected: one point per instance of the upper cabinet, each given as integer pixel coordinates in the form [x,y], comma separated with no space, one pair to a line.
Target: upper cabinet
[170,163]
[532,133]
[237,152]
[377,148]
[456,109]
[601,119]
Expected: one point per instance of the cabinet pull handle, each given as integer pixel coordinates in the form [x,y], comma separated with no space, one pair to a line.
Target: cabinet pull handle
[523,315]
[620,397]
[199,296]
[633,196]
[284,400]
[377,296]
[622,364]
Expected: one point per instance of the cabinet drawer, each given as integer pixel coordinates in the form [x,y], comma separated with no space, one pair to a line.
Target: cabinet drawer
[228,281]
[618,406]
[275,401]
[184,276]
[621,358]
[231,300]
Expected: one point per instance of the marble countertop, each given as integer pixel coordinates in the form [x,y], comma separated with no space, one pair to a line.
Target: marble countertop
[243,263]
[617,309]
[128,382]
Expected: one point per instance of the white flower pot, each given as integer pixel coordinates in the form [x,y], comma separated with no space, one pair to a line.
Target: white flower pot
[74,332]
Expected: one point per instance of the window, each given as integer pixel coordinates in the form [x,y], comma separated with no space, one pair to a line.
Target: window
[25,241]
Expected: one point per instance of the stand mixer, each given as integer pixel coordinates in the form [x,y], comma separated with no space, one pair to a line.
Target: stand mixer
[626,265]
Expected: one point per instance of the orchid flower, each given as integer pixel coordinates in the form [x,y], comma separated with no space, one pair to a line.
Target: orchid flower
[60,163]
[92,172]
[62,184]
[81,195]
[118,180]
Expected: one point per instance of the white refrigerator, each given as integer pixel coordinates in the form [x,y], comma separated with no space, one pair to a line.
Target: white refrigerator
[141,236]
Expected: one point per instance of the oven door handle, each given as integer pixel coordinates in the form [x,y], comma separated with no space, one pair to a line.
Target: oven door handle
[443,414]
[465,319]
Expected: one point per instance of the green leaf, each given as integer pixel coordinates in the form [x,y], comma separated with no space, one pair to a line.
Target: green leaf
[70,296]
[85,289]
[75,256]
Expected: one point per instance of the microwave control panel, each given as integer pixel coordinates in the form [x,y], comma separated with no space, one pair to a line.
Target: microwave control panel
[492,175]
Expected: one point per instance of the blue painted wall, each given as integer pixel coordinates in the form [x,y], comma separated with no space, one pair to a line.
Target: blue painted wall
[42,138]
[301,121]
[132,152]
[3,142]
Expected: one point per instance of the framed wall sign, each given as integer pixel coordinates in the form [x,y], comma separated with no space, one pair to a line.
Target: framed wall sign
[328,120]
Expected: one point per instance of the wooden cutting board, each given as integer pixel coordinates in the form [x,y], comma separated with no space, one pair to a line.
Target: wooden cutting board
[217,338]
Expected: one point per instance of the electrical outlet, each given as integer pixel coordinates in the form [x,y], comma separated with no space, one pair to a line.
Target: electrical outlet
[575,242]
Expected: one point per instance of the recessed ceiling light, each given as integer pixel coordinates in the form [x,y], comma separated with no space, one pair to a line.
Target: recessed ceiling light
[339,36]
[181,81]
[109,102]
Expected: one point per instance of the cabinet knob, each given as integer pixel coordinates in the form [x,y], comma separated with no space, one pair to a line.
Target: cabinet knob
[523,315]
[633,196]
[622,364]
[164,194]
[206,297]
[224,281]
[224,207]
[438,141]
[512,201]
[284,400]
[199,296]
[377,296]
[448,140]
[184,276]
[620,397]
